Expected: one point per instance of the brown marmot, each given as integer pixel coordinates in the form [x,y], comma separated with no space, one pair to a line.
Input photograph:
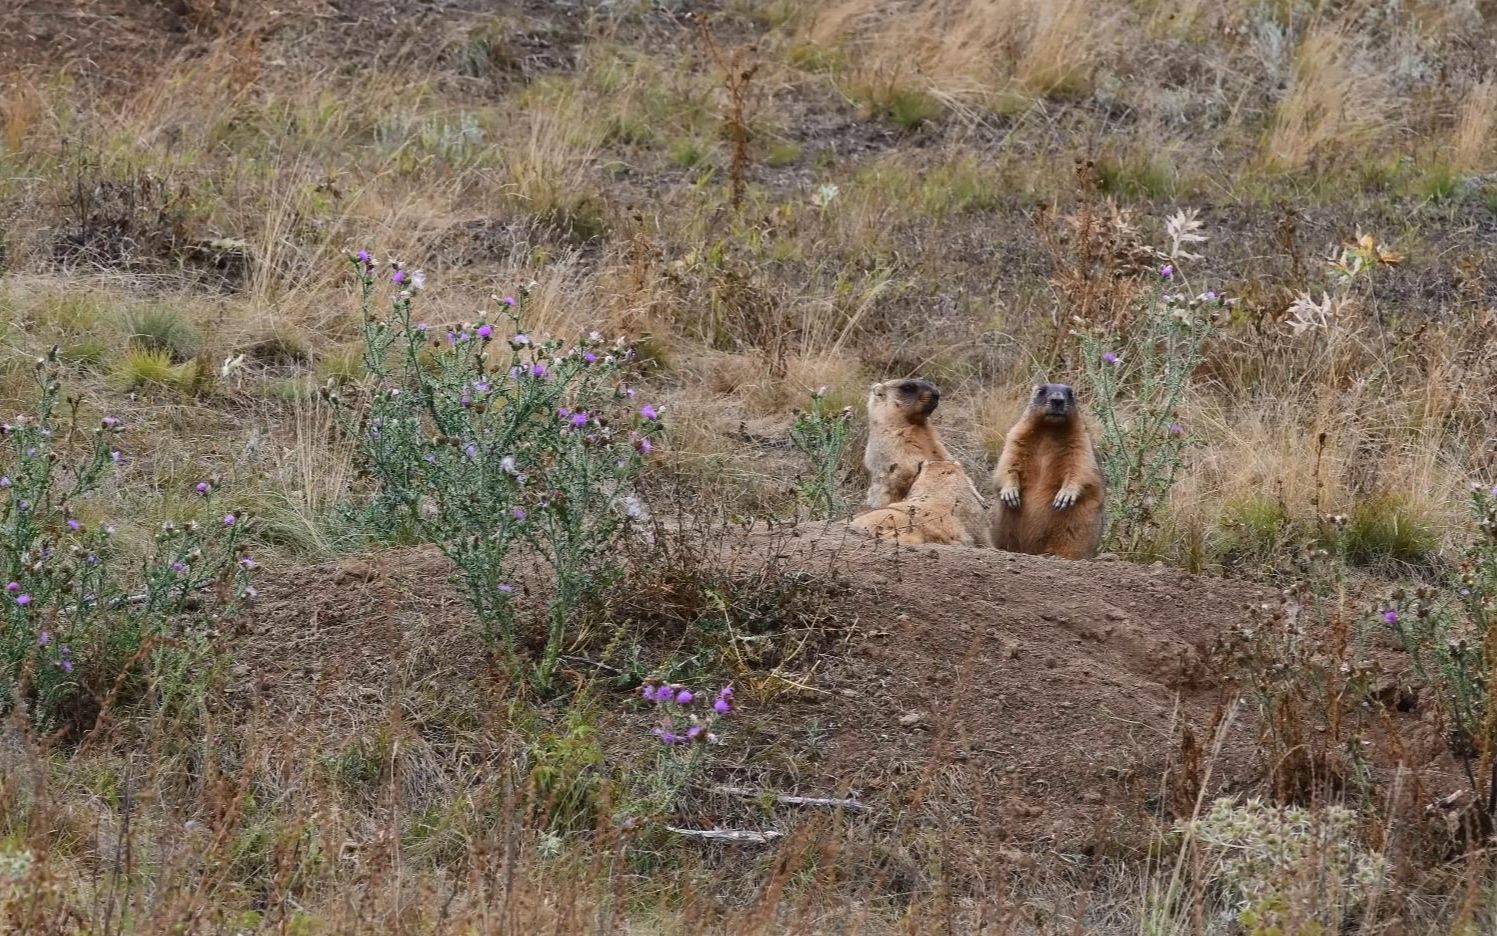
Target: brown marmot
[1049,485]
[943,507]
[900,437]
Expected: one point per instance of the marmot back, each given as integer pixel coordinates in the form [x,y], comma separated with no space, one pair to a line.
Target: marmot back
[1050,489]
[943,507]
[900,437]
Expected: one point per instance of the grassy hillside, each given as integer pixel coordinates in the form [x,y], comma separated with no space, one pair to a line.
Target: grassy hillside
[769,200]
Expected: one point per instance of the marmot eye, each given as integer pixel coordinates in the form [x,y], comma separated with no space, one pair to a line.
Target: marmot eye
[907,388]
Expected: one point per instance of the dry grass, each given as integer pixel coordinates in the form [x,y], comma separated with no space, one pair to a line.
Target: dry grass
[1471,141]
[1338,102]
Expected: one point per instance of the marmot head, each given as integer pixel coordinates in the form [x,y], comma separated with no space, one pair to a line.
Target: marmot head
[913,400]
[1056,402]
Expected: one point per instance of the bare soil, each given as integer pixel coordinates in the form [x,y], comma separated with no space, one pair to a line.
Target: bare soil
[1034,702]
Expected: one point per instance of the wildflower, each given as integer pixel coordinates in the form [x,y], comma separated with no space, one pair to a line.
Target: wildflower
[422,327]
[694,733]
[1167,271]
[251,592]
[649,412]
[202,488]
[13,587]
[485,332]
[538,369]
[74,525]
[4,481]
[115,456]
[230,520]
[520,340]
[1176,429]
[579,419]
[506,588]
[67,666]
[23,505]
[247,563]
[44,638]
[1209,296]
[519,514]
[23,599]
[665,693]
[418,280]
[1110,358]
[398,277]
[589,358]
[562,412]
[508,300]
[645,446]
[364,258]
[179,567]
[666,735]
[471,451]
[507,464]
[722,706]
[684,697]
[91,559]
[109,422]
[1390,616]
[480,386]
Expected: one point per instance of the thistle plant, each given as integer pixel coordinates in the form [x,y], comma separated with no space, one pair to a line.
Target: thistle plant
[684,728]
[822,437]
[1448,633]
[1136,382]
[484,440]
[80,619]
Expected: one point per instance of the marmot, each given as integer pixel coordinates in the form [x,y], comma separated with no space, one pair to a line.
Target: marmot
[943,507]
[900,437]
[1049,485]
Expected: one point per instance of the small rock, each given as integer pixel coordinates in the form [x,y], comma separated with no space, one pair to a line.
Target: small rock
[910,719]
[1116,615]
[1091,796]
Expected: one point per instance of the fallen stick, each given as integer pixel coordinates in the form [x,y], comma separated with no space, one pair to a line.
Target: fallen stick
[737,836]
[788,800]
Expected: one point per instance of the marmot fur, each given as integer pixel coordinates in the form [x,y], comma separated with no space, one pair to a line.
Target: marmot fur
[900,437]
[943,507]
[1049,485]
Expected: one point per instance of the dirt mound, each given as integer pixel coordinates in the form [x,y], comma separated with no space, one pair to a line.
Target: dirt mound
[1038,700]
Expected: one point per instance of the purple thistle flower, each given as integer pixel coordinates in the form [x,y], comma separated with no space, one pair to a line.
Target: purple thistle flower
[1110,358]
[23,505]
[519,513]
[115,456]
[485,332]
[1167,271]
[1465,593]
[520,340]
[471,451]
[230,520]
[44,638]
[579,419]
[537,369]
[1390,616]
[508,300]
[695,732]
[722,706]
[645,446]
[684,697]
[590,358]
[649,412]
[506,588]
[1176,429]
[109,422]
[201,487]
[179,567]
[480,386]
[364,258]
[74,525]
[664,693]
[13,587]
[23,599]
[4,481]
[248,563]
[422,327]
[398,277]
[562,412]
[91,559]
[665,735]
[1493,491]
[67,666]
[647,692]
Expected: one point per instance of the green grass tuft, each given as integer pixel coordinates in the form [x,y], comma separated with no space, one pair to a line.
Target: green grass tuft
[165,330]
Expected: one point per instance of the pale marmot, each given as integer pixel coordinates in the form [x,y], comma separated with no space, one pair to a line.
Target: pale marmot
[900,437]
[1049,485]
[942,507]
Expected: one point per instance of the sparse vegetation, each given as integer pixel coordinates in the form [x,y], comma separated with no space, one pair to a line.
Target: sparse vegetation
[433,719]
